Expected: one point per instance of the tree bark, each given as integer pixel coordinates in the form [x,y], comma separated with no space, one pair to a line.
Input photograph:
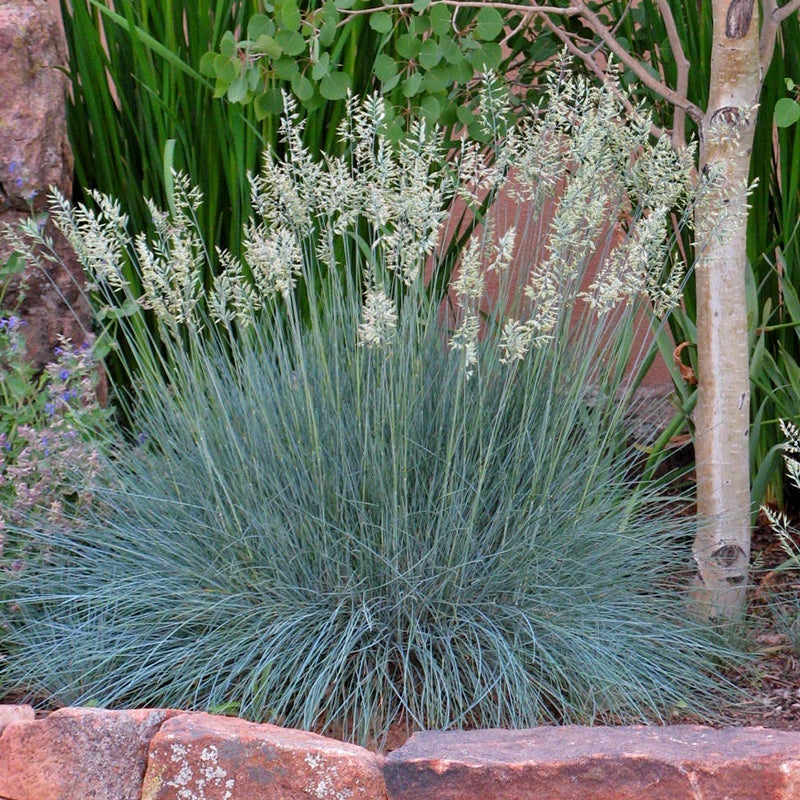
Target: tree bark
[722,417]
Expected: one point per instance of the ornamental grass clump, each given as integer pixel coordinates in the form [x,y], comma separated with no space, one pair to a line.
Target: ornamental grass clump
[354,506]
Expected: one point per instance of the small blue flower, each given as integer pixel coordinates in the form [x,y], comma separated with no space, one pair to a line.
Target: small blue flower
[64,374]
[50,409]
[12,167]
[141,438]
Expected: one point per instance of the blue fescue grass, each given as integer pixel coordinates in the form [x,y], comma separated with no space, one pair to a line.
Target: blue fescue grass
[344,513]
[369,538]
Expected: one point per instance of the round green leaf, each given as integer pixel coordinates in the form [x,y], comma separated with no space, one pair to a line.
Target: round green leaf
[464,72]
[260,25]
[330,12]
[269,103]
[206,65]
[441,21]
[465,115]
[385,67]
[430,54]
[220,88]
[227,69]
[787,112]
[431,109]
[238,91]
[289,15]
[302,87]
[394,132]
[487,56]
[327,33]
[381,22]
[292,43]
[412,84]
[419,26]
[285,68]
[439,78]
[268,46]
[335,85]
[390,83]
[450,50]
[315,103]
[543,47]
[228,45]
[253,76]
[488,24]
[408,46]
[321,67]
[420,5]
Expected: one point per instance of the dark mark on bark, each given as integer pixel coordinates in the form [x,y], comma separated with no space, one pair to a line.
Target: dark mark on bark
[730,115]
[728,554]
[739,17]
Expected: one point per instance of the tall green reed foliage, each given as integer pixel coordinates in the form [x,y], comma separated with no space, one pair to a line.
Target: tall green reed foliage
[774,250]
[385,509]
[136,94]
[784,602]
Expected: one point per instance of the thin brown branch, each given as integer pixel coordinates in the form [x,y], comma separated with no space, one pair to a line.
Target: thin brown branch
[682,72]
[636,66]
[530,9]
[769,33]
[774,15]
[523,23]
[783,12]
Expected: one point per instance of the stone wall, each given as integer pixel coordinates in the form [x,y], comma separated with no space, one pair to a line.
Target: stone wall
[159,754]
[34,155]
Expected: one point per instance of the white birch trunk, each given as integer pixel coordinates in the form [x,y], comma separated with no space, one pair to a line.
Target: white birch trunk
[722,417]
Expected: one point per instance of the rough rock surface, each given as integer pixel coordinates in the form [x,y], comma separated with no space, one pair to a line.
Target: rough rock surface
[34,155]
[34,148]
[157,754]
[9,714]
[684,762]
[77,754]
[205,757]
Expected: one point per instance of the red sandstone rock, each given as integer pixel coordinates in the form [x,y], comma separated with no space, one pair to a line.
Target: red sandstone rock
[77,754]
[34,155]
[577,763]
[203,757]
[34,148]
[9,714]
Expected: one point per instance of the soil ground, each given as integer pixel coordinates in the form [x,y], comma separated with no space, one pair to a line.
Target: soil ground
[772,683]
